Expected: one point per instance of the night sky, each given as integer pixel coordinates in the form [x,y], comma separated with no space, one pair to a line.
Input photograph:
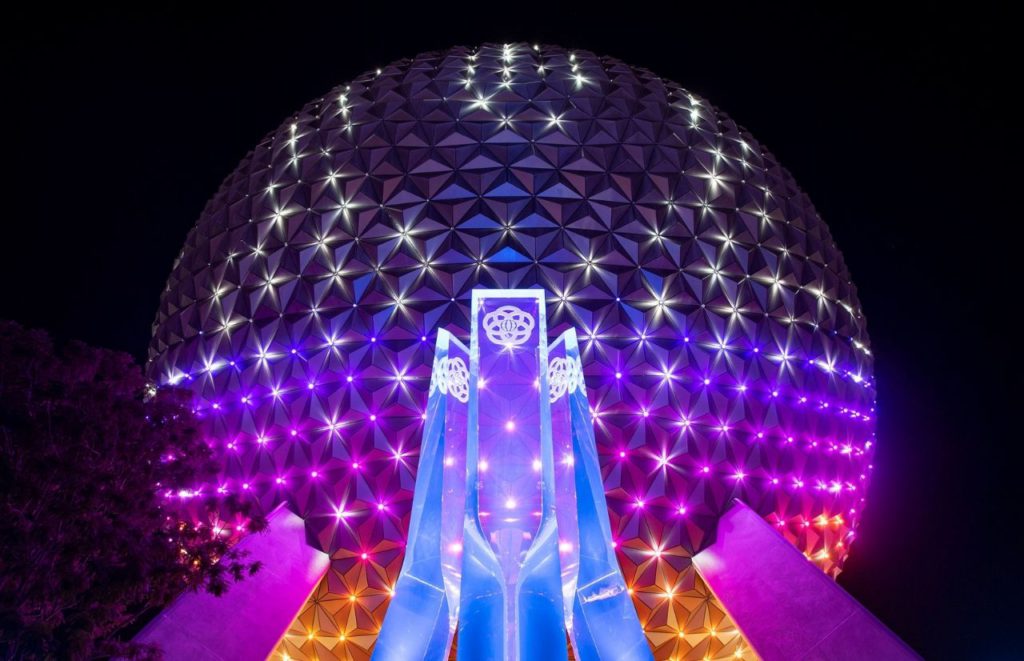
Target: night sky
[118,128]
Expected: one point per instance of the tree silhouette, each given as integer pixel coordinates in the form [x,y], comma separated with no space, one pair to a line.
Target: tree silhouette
[102,516]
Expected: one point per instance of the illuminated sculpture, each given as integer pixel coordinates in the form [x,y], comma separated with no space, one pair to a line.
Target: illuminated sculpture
[509,522]
[721,340]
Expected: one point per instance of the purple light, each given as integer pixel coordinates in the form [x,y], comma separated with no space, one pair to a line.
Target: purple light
[345,295]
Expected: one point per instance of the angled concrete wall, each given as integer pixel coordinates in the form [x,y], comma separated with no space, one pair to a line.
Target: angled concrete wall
[248,621]
[785,606]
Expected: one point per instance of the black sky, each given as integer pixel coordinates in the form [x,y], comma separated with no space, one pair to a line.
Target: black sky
[118,127]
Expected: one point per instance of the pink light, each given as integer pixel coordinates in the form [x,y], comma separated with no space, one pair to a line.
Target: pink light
[718,350]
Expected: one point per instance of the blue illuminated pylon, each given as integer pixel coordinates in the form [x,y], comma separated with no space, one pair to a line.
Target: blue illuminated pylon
[509,542]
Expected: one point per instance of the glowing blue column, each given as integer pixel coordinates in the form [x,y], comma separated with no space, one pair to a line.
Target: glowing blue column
[603,623]
[511,583]
[424,611]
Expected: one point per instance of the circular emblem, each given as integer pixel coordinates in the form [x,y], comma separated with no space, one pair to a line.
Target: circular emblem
[457,378]
[451,377]
[508,325]
[565,375]
[559,377]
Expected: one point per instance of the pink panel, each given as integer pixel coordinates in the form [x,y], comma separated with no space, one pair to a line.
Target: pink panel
[786,606]
[248,621]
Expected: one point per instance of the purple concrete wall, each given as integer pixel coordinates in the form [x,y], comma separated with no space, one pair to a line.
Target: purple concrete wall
[785,606]
[248,621]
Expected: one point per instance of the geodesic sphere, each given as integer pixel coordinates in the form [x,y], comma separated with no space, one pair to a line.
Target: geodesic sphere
[724,349]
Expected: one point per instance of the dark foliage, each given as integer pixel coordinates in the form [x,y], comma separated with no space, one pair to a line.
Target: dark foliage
[98,523]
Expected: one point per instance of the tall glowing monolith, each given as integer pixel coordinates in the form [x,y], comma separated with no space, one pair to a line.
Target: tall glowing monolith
[511,577]
[509,542]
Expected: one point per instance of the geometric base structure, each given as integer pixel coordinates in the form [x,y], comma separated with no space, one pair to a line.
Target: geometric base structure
[691,625]
[787,608]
